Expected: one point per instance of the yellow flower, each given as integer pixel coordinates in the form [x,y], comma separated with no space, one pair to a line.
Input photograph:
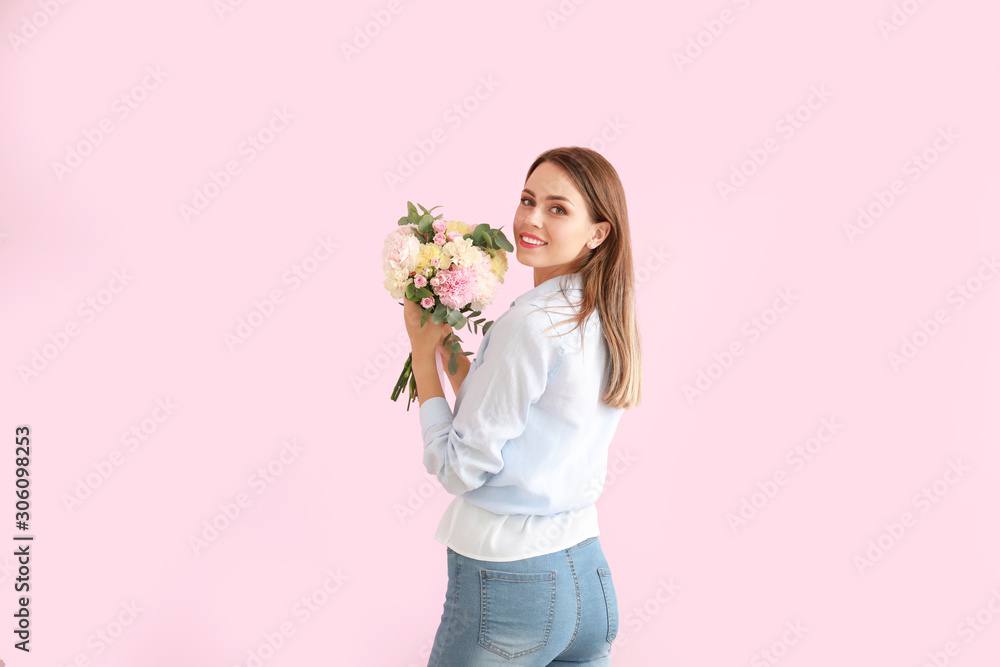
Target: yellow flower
[457,226]
[500,263]
[429,251]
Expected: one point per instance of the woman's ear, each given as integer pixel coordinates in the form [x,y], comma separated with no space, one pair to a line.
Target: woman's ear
[603,230]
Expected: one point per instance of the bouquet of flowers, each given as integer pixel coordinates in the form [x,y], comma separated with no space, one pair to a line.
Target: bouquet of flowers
[447,267]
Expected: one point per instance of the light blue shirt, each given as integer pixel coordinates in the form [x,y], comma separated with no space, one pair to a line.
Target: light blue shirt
[529,434]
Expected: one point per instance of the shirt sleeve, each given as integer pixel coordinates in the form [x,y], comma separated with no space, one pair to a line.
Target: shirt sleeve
[520,357]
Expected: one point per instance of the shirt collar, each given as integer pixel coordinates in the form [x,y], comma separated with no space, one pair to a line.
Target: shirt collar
[571,281]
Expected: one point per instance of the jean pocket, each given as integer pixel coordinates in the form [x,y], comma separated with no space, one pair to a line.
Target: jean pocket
[611,600]
[517,610]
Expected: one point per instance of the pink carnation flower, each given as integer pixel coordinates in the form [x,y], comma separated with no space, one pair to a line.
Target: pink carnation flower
[457,287]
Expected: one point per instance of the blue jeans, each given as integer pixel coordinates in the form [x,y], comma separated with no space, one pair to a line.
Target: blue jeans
[554,609]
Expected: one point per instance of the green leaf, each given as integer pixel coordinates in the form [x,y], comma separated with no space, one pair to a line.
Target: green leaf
[426,210]
[409,291]
[487,327]
[440,312]
[479,234]
[503,242]
[404,221]
[423,318]
[411,209]
[423,293]
[426,225]
[452,364]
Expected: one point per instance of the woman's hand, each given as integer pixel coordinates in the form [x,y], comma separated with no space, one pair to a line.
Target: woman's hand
[423,339]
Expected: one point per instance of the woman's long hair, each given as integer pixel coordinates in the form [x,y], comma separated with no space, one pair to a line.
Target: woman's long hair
[606,271]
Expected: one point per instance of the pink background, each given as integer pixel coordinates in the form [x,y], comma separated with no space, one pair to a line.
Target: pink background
[352,498]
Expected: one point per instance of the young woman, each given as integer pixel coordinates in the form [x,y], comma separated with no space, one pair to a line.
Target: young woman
[525,453]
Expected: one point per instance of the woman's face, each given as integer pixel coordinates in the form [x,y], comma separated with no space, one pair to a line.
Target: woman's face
[552,210]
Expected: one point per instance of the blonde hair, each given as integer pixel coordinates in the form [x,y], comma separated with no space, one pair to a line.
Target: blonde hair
[606,271]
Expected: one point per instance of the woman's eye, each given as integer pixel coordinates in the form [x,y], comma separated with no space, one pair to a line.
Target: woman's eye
[525,199]
[560,208]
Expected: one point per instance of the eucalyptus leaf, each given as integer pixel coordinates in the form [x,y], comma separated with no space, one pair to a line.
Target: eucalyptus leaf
[503,242]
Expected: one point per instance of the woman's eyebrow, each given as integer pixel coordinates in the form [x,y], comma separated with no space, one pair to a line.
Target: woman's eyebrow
[550,197]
